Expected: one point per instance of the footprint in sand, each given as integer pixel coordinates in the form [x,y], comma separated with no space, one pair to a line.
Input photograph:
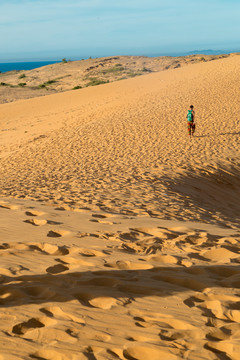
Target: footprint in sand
[36,222]
[48,354]
[74,262]
[219,255]
[63,208]
[8,295]
[102,221]
[186,263]
[58,233]
[57,269]
[16,269]
[172,335]
[41,291]
[139,338]
[33,323]
[101,302]
[118,353]
[49,248]
[164,321]
[90,252]
[22,328]
[232,330]
[228,349]
[155,231]
[15,246]
[89,334]
[219,334]
[58,313]
[148,353]
[34,213]
[51,222]
[40,222]
[101,216]
[163,259]
[128,265]
[9,206]
[132,248]
[233,315]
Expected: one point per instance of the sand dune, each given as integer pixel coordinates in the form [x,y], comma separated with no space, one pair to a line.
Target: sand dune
[119,233]
[128,139]
[68,75]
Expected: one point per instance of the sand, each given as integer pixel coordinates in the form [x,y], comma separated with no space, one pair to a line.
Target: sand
[68,75]
[120,234]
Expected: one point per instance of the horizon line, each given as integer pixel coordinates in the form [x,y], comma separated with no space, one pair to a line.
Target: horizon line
[171,54]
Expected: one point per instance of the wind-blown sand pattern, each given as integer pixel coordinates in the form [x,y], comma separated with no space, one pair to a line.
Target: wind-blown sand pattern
[120,234]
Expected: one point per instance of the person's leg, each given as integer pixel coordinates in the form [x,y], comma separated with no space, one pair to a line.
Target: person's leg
[189,128]
[193,129]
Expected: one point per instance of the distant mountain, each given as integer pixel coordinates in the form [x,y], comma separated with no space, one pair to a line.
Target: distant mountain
[208,52]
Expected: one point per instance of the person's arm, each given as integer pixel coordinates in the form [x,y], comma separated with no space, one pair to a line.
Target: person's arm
[193,115]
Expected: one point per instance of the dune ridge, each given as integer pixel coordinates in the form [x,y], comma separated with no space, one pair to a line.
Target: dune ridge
[120,234]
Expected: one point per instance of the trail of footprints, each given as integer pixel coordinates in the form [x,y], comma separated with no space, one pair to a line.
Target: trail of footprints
[202,269]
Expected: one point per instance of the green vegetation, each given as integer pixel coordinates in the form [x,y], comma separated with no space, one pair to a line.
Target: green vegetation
[77,87]
[22,76]
[122,78]
[134,73]
[22,84]
[203,59]
[64,60]
[6,84]
[96,81]
[115,69]
[49,82]
[118,69]
[62,77]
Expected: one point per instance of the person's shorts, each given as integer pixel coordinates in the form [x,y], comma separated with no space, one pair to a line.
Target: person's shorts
[191,126]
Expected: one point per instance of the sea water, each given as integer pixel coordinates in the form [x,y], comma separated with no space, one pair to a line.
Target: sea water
[4,67]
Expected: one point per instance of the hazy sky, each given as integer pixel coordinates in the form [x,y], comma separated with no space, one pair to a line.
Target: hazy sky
[53,29]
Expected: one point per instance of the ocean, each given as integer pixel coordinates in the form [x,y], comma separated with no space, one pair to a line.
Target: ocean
[4,67]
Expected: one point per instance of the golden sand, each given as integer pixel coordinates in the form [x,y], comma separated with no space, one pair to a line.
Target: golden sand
[59,77]
[119,233]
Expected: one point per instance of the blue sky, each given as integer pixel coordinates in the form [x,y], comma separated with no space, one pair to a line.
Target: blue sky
[53,29]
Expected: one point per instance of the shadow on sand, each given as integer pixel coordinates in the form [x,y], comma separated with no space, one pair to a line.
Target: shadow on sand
[216,190]
[117,284]
[221,134]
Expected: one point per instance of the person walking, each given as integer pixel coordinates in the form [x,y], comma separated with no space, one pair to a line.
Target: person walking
[191,120]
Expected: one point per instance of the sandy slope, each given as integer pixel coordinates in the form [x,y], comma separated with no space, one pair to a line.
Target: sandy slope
[129,139]
[15,85]
[119,233]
